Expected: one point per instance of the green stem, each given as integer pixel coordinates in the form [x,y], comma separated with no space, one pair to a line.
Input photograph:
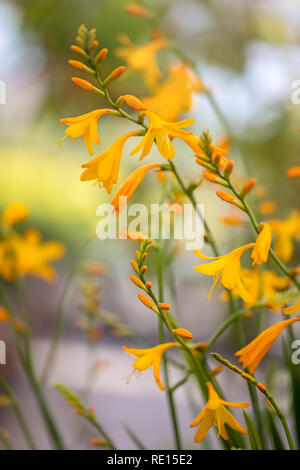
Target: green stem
[161,336]
[19,415]
[251,380]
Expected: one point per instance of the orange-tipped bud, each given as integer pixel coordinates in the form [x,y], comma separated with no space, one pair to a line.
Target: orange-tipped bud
[115,74]
[203,163]
[164,306]
[93,45]
[86,85]
[137,282]
[80,66]
[4,315]
[144,269]
[228,168]
[101,56]
[148,284]
[133,102]
[295,271]
[144,256]
[137,254]
[134,266]
[248,186]
[77,50]
[293,172]
[147,302]
[98,442]
[208,175]
[183,333]
[226,197]
[216,370]
[136,10]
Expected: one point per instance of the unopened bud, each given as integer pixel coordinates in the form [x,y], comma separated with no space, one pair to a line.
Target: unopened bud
[80,66]
[101,56]
[210,176]
[226,197]
[134,266]
[144,269]
[77,50]
[115,74]
[183,333]
[133,102]
[228,168]
[147,302]
[93,45]
[86,85]
[136,10]
[148,284]
[248,186]
[137,282]
[164,306]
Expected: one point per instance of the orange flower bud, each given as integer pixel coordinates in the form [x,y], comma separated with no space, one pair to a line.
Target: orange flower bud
[98,442]
[79,51]
[248,186]
[208,175]
[115,74]
[147,302]
[134,266]
[136,10]
[148,284]
[133,102]
[86,85]
[293,172]
[183,333]
[228,167]
[164,306]
[4,315]
[144,269]
[93,45]
[101,55]
[137,254]
[136,281]
[295,271]
[80,66]
[144,256]
[226,197]
[216,370]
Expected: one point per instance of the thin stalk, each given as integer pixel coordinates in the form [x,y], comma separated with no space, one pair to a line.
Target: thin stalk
[161,336]
[251,380]
[19,415]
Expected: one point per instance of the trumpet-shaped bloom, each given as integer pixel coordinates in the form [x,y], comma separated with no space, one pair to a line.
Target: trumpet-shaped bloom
[226,269]
[27,254]
[129,185]
[142,58]
[215,412]
[261,249]
[150,357]
[253,353]
[174,95]
[161,131]
[105,167]
[14,214]
[85,126]
[293,308]
[286,231]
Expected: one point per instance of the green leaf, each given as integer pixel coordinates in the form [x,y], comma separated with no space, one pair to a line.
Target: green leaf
[134,437]
[255,442]
[275,435]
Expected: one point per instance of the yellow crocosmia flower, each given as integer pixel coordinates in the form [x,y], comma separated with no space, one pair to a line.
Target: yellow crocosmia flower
[264,284]
[161,131]
[85,126]
[216,413]
[293,308]
[129,185]
[141,58]
[14,213]
[261,249]
[286,231]
[22,255]
[150,357]
[174,95]
[105,167]
[253,353]
[226,269]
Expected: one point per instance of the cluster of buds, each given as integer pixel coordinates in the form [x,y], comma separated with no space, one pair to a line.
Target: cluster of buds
[149,300]
[87,48]
[218,169]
